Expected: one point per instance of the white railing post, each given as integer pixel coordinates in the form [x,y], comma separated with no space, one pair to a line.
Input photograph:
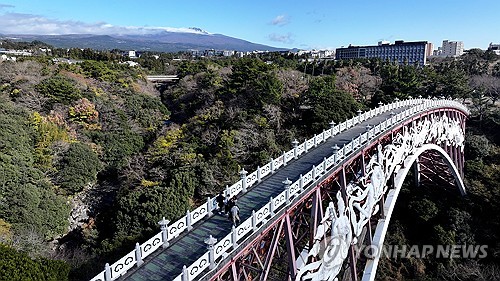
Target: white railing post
[324,164]
[138,255]
[259,177]
[185,274]
[188,220]
[210,241]
[284,158]
[314,172]
[227,192]
[315,142]
[254,221]
[164,232]
[243,176]
[209,207]
[295,144]
[272,166]
[301,183]
[107,272]
[233,238]
[287,184]
[271,209]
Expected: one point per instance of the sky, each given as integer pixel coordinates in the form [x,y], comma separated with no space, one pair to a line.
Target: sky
[310,24]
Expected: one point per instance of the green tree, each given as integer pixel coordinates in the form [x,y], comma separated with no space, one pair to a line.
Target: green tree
[27,198]
[59,89]
[78,167]
[19,266]
[325,104]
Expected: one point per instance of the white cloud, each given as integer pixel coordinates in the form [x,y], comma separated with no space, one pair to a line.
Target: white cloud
[18,23]
[283,38]
[280,20]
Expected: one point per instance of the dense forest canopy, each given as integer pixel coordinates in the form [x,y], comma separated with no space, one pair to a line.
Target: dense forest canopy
[93,155]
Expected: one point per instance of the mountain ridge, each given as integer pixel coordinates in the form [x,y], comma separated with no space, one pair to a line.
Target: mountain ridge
[162,41]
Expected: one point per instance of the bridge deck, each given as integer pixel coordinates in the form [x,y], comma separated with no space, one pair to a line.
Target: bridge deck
[167,264]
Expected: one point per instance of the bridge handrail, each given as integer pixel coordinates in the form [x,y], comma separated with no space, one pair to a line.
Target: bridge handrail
[170,232]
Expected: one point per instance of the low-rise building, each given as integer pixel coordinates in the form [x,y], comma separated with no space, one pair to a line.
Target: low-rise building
[495,48]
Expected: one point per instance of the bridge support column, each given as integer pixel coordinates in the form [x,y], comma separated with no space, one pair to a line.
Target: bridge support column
[272,250]
[316,216]
[290,248]
[352,254]
[416,173]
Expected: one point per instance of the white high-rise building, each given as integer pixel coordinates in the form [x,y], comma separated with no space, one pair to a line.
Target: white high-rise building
[450,49]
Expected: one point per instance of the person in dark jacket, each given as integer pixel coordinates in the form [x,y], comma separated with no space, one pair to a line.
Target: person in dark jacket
[220,202]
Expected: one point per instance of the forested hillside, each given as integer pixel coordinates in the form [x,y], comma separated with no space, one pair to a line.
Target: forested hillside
[93,155]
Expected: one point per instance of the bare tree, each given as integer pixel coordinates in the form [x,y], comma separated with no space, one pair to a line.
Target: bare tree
[488,85]
[358,81]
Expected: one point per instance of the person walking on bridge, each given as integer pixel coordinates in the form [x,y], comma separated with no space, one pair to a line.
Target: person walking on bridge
[235,214]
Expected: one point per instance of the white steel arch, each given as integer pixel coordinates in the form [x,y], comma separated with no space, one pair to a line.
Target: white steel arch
[344,224]
[390,203]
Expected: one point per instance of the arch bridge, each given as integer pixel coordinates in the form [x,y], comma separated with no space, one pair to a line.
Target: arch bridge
[306,214]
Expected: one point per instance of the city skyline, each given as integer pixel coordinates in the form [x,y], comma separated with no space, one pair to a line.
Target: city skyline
[316,24]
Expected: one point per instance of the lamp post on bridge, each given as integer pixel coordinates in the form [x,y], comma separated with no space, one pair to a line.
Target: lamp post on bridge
[164,231]
[336,149]
[210,241]
[368,128]
[287,184]
[332,126]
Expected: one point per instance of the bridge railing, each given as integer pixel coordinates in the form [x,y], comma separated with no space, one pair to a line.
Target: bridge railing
[296,189]
[169,232]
